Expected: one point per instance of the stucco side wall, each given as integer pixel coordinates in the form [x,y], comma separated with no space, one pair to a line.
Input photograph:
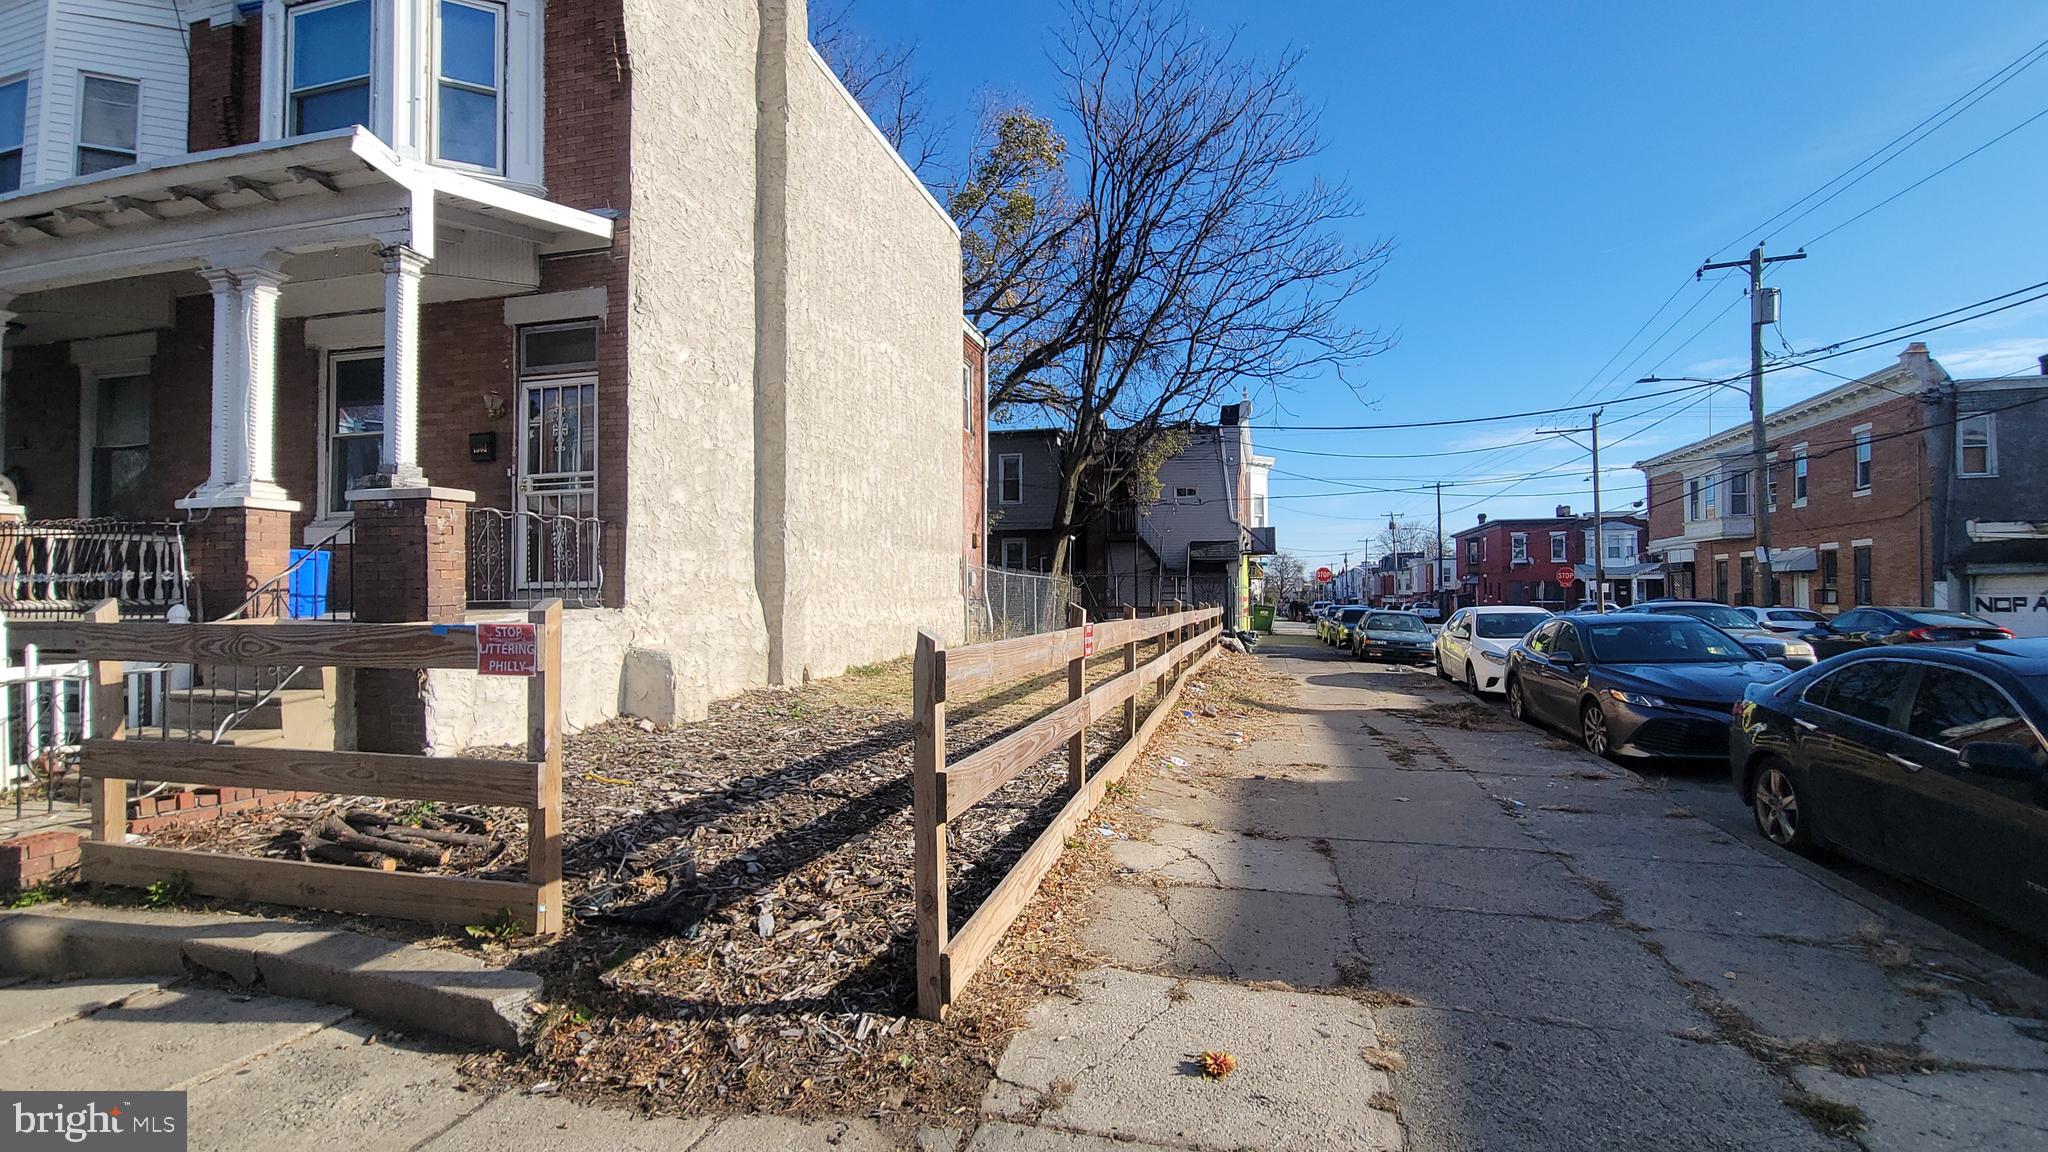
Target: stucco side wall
[690,350]
[873,405]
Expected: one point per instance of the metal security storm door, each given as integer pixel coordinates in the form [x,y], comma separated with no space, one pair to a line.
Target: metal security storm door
[556,530]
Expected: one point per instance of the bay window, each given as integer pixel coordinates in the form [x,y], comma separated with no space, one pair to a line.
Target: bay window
[109,121]
[13,132]
[469,93]
[1738,493]
[329,49]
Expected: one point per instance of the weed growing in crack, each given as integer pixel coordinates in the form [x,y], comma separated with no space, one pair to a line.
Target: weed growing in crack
[1832,1117]
[1385,1059]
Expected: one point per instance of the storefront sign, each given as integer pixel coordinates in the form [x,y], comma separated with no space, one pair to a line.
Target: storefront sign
[2017,601]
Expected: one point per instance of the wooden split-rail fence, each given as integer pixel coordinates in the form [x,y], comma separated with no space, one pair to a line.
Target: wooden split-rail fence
[942,789]
[534,783]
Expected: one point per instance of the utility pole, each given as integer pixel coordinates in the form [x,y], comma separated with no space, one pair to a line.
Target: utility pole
[1436,552]
[1599,535]
[1763,309]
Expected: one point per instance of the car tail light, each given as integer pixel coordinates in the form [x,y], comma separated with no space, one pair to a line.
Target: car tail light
[1925,634]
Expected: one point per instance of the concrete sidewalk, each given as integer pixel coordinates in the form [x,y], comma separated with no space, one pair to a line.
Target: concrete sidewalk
[1414,923]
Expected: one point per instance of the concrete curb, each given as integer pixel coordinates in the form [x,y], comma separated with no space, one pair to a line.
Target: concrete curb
[422,989]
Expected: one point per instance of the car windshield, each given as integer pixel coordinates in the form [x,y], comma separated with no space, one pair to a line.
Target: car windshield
[1508,625]
[1719,615]
[1662,640]
[1394,622]
[1349,615]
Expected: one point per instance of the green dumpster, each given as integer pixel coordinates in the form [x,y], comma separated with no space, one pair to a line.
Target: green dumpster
[1262,617]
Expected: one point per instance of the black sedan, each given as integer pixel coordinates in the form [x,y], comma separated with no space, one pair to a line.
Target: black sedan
[1927,762]
[1633,684]
[1861,628]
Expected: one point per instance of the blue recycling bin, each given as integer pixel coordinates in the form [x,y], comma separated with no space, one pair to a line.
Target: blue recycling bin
[306,598]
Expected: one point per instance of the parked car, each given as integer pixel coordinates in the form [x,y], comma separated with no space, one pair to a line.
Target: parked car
[1473,646]
[1861,628]
[1391,636]
[1925,761]
[1337,625]
[1429,612]
[1791,651]
[1794,620]
[1634,683]
[1590,608]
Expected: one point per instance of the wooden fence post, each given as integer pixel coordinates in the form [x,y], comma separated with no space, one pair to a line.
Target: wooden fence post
[928,716]
[1131,665]
[106,717]
[544,744]
[1077,686]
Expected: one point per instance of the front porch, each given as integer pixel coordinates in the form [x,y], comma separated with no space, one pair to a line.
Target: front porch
[309,379]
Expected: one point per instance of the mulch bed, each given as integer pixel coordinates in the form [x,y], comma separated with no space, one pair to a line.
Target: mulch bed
[743,930]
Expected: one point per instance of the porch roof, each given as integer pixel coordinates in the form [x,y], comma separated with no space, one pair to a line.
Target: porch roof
[296,194]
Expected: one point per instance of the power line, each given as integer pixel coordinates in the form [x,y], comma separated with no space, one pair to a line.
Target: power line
[1996,80]
[1475,419]
[1926,178]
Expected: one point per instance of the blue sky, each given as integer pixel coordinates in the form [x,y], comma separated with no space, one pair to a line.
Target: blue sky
[1550,173]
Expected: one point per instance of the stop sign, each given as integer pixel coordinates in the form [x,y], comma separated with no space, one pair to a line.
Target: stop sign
[1323,575]
[1567,576]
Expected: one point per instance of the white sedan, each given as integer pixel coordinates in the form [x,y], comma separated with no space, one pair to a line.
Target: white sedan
[1473,647]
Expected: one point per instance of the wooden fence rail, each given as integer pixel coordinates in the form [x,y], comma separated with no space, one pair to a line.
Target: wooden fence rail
[941,791]
[534,783]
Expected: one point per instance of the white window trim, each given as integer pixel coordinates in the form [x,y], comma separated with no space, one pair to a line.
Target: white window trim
[1739,487]
[1990,422]
[79,143]
[502,49]
[1186,492]
[1560,542]
[1002,485]
[1859,439]
[325,520]
[412,24]
[1518,548]
[27,82]
[1799,463]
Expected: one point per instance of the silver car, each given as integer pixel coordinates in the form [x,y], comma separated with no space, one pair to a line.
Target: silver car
[1776,647]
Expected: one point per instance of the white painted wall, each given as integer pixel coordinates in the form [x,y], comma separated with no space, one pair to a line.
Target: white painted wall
[139,40]
[22,40]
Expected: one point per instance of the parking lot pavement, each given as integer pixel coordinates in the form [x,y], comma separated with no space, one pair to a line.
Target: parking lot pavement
[1564,952]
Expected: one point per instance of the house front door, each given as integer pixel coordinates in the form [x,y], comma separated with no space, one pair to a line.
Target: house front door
[556,531]
[117,484]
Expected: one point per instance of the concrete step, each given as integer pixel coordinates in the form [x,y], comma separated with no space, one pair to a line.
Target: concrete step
[421,989]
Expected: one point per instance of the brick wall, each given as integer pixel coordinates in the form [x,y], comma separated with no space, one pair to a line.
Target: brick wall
[233,550]
[1895,515]
[225,106]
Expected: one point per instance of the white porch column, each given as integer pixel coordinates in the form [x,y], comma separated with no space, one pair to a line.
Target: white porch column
[10,507]
[243,472]
[403,267]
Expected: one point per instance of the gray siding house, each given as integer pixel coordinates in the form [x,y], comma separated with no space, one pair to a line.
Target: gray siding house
[1990,498]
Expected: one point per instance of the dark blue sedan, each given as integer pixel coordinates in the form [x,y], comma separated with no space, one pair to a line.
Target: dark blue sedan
[1633,684]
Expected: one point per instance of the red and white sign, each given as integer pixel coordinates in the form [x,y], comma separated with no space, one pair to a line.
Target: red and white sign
[507,650]
[1087,639]
[1323,575]
[1567,576]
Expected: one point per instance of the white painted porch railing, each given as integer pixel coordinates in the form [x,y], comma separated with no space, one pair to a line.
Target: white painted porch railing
[42,718]
[59,568]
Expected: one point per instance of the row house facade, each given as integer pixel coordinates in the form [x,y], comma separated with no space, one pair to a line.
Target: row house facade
[1905,487]
[1202,540]
[483,301]
[1518,561]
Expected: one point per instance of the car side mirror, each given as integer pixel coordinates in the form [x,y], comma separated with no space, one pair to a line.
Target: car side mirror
[2000,761]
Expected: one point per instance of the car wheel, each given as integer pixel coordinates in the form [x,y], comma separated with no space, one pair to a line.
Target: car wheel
[1593,728]
[1471,679]
[1774,801]
[1440,673]
[1518,706]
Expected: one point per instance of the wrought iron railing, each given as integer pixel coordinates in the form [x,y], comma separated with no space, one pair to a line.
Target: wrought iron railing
[316,585]
[59,568]
[519,558]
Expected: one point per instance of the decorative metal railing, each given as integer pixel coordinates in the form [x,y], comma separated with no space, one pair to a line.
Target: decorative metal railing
[60,568]
[520,558]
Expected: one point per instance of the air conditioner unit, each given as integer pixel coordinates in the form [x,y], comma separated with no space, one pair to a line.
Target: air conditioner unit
[1830,596]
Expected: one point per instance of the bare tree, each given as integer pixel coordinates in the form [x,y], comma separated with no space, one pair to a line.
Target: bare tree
[884,79]
[1204,260]
[1409,538]
[1286,577]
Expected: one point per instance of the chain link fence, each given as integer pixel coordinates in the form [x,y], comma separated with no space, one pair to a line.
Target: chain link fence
[1002,602]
